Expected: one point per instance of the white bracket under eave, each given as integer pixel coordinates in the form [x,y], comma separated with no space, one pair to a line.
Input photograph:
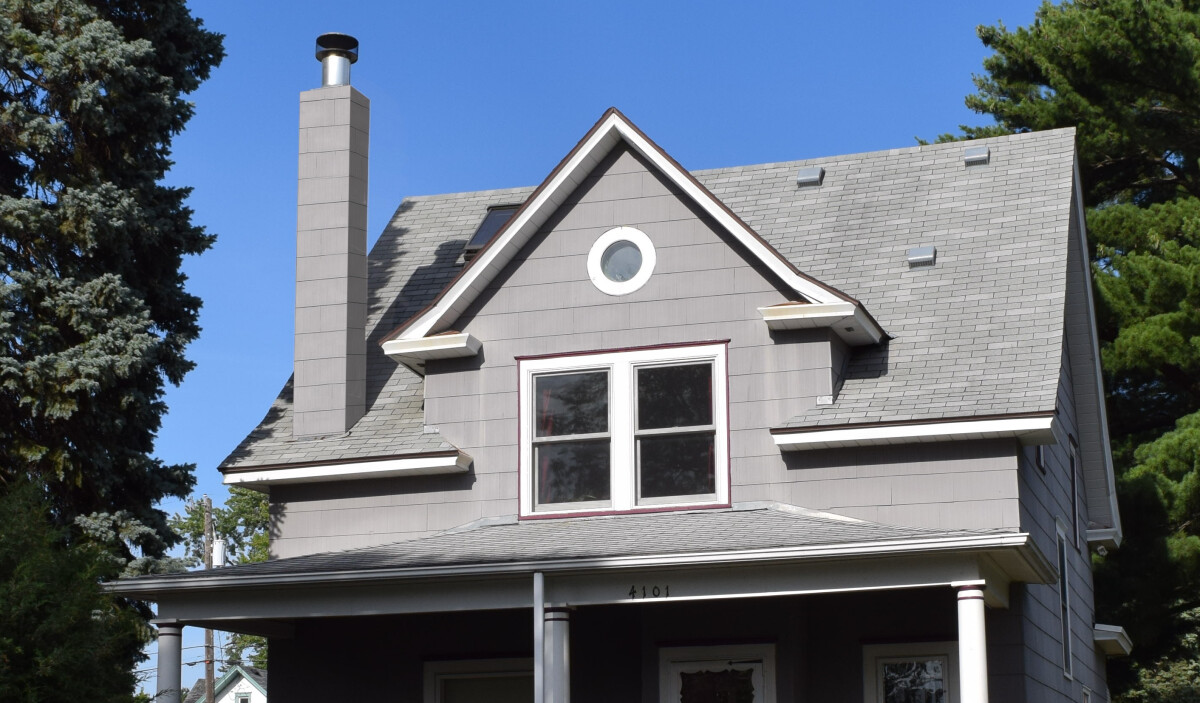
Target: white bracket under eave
[413,353]
[848,320]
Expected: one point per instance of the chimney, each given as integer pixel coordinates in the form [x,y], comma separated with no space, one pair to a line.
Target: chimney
[331,248]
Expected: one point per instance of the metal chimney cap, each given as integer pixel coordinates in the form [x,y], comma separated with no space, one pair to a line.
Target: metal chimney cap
[337,44]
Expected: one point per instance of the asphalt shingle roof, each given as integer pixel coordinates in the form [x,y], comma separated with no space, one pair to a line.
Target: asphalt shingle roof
[977,334]
[650,534]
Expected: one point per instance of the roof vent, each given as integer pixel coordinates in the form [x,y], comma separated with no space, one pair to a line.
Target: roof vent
[922,256]
[975,155]
[497,216]
[336,52]
[810,176]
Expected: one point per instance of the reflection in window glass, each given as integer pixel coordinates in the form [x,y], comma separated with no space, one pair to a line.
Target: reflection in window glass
[674,396]
[914,681]
[621,261]
[572,472]
[571,403]
[676,466]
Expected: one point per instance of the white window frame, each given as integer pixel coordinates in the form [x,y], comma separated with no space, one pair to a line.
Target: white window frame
[438,671]
[673,661]
[875,655]
[1063,563]
[621,367]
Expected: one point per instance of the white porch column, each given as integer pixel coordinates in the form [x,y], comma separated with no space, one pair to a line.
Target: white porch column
[557,658]
[972,646]
[170,664]
[539,637]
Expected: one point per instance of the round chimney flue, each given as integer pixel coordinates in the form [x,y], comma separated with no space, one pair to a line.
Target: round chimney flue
[336,52]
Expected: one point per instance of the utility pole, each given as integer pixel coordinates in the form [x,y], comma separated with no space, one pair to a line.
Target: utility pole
[208,633]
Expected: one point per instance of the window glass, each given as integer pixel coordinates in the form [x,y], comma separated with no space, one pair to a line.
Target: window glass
[722,686]
[674,396]
[676,466]
[487,689]
[573,472]
[571,404]
[914,681]
[621,261]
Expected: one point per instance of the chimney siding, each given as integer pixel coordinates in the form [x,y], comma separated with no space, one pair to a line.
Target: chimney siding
[331,262]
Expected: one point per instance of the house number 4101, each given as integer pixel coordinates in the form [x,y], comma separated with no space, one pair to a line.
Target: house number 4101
[636,592]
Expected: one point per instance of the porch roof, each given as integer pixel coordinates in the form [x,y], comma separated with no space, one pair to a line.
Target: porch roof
[745,529]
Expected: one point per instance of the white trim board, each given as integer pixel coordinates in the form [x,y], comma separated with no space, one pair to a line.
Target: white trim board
[1028,430]
[848,320]
[411,466]
[613,128]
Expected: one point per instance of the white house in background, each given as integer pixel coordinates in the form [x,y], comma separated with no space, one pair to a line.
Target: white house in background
[820,430]
[239,684]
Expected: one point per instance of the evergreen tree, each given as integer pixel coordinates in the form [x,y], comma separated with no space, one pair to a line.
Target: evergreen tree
[94,319]
[1127,74]
[94,316]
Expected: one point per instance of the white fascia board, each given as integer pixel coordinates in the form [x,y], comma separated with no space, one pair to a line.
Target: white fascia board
[848,320]
[1029,430]
[456,463]
[442,346]
[1112,640]
[614,128]
[1098,377]
[147,587]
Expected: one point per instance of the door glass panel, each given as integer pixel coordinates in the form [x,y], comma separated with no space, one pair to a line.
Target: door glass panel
[571,403]
[674,396]
[914,681]
[727,686]
[572,472]
[679,465]
[488,689]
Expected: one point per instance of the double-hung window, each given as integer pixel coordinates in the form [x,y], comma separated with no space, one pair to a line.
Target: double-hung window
[624,430]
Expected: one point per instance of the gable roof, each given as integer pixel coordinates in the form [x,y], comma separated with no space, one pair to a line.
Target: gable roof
[256,677]
[612,129]
[978,334]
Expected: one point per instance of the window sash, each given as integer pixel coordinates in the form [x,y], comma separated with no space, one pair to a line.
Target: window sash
[623,433]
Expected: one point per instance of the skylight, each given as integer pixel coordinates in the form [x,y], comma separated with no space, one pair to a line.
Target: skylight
[496,217]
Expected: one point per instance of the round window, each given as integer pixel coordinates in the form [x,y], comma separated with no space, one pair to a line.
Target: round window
[621,260]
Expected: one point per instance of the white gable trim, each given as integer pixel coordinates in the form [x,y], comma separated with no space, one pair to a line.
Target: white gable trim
[612,129]
[1028,430]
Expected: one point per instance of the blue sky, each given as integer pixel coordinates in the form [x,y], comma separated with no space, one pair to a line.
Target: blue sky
[467,96]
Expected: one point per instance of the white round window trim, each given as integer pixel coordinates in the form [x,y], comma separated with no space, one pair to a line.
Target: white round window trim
[635,237]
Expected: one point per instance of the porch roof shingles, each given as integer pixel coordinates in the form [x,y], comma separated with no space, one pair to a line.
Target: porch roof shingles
[977,334]
[649,534]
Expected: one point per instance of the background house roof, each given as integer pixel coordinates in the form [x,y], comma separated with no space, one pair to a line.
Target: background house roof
[257,677]
[979,333]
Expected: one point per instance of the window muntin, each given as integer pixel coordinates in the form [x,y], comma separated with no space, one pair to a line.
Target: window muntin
[622,430]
